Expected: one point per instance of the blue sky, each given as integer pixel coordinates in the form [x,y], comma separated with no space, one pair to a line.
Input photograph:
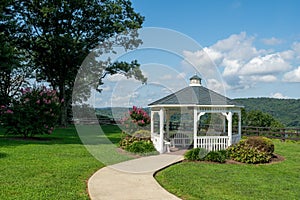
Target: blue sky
[254,47]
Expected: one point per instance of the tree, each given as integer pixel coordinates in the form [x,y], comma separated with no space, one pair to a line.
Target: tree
[60,34]
[13,71]
[260,119]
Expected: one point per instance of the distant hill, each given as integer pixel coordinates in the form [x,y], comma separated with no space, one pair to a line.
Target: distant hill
[287,111]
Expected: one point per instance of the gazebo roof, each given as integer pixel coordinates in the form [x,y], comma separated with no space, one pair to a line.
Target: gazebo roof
[195,95]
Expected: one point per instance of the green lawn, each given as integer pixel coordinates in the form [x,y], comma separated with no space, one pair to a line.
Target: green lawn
[56,167]
[190,180]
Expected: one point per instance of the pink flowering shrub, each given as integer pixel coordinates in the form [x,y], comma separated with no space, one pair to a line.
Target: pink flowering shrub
[36,112]
[139,116]
[136,120]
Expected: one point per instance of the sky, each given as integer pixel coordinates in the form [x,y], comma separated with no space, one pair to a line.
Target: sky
[241,49]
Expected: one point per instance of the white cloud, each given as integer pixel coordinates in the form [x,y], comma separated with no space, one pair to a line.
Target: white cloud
[232,67]
[166,77]
[296,49]
[120,77]
[287,55]
[268,64]
[278,95]
[271,41]
[217,86]
[266,78]
[292,76]
[241,64]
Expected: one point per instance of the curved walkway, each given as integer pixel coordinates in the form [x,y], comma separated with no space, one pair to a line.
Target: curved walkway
[132,179]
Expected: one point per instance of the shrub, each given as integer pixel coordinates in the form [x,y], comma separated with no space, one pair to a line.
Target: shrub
[35,112]
[216,156]
[142,134]
[196,154]
[143,146]
[139,116]
[200,154]
[137,144]
[252,150]
[127,141]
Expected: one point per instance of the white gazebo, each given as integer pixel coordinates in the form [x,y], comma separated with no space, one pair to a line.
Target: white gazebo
[194,101]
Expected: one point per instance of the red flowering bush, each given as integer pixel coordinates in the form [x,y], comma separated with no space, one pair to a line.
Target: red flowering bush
[138,119]
[35,112]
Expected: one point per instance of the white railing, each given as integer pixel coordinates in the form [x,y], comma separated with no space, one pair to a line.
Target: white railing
[181,139]
[212,143]
[155,140]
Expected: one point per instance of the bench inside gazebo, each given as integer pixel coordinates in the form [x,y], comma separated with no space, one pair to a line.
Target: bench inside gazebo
[194,101]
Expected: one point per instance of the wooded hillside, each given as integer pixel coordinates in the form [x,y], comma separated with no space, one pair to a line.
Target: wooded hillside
[286,111]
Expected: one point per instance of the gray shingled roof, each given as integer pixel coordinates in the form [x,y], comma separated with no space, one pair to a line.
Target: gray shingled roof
[194,95]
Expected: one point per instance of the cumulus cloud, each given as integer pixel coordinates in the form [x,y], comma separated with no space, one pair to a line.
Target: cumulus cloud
[272,41]
[241,64]
[296,49]
[292,76]
[269,64]
[278,95]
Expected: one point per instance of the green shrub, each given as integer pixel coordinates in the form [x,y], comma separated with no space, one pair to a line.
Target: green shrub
[127,140]
[252,150]
[137,144]
[142,134]
[262,144]
[216,156]
[143,146]
[195,154]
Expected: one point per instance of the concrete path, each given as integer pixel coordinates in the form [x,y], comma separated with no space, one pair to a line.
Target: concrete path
[132,180]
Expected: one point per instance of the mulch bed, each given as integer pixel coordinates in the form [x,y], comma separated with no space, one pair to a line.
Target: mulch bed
[276,159]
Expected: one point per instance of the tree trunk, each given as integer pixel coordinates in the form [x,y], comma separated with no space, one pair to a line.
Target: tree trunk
[64,106]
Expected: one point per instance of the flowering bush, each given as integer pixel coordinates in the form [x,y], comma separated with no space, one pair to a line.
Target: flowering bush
[35,112]
[139,116]
[136,120]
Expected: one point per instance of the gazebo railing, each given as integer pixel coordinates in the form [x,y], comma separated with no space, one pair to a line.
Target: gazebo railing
[212,143]
[155,140]
[181,139]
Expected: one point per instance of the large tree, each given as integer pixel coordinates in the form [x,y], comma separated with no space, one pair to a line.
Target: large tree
[13,69]
[60,34]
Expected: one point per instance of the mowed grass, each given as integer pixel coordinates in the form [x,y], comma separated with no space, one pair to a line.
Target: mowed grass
[190,180]
[54,167]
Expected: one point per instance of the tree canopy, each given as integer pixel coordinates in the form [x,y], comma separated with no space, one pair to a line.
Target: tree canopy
[58,35]
[13,69]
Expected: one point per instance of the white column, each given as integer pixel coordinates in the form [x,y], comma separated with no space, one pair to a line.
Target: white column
[224,124]
[152,124]
[229,118]
[195,126]
[240,124]
[167,114]
[161,131]
[229,130]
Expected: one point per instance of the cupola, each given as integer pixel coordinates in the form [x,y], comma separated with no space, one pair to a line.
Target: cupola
[195,81]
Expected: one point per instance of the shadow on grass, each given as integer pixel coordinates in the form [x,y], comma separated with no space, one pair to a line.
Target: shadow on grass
[3,155]
[68,135]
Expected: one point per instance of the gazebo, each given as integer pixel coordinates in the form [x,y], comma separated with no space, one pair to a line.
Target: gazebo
[194,101]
